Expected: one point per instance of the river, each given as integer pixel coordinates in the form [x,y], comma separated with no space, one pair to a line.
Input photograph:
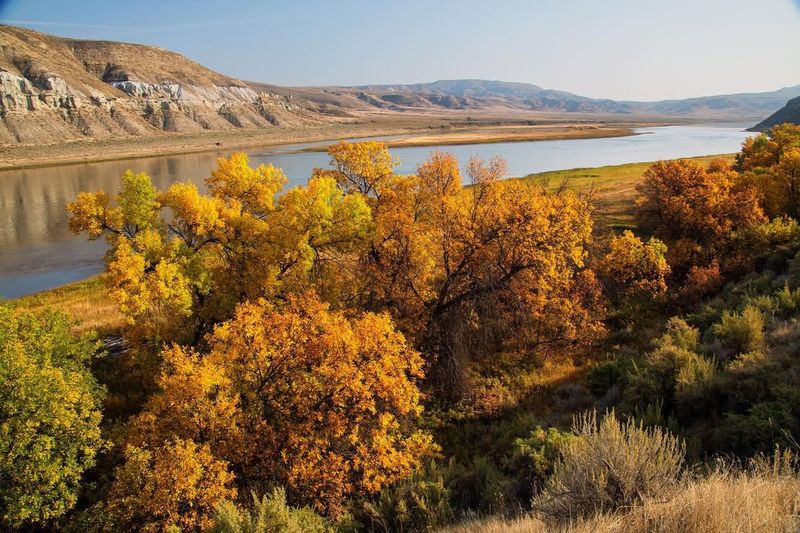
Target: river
[37,251]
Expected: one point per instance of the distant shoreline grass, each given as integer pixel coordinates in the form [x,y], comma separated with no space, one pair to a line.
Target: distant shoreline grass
[89,303]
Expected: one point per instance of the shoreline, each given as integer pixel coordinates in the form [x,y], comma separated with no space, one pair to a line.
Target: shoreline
[93,151]
[413,140]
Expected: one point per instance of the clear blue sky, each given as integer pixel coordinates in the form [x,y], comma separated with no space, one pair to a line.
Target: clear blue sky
[622,49]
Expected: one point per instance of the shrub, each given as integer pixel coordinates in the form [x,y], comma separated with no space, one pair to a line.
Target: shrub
[674,376]
[534,456]
[741,332]
[607,374]
[787,301]
[680,334]
[176,485]
[268,514]
[483,488]
[701,281]
[611,465]
[419,503]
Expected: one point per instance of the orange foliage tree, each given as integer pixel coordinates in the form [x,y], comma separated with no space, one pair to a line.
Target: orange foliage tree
[466,271]
[633,269]
[178,484]
[771,163]
[694,210]
[300,396]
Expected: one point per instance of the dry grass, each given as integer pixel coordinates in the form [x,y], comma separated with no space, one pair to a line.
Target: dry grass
[724,502]
[612,465]
[86,302]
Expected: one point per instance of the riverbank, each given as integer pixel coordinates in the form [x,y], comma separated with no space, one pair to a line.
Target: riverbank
[489,135]
[614,187]
[414,132]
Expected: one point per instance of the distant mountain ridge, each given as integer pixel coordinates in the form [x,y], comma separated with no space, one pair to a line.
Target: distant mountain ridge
[529,96]
[788,113]
[54,89]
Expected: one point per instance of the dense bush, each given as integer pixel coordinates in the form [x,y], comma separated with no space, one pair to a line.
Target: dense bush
[177,485]
[611,464]
[419,503]
[535,456]
[268,514]
[49,417]
[740,332]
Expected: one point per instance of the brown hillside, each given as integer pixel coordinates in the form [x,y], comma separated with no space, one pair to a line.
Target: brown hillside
[54,89]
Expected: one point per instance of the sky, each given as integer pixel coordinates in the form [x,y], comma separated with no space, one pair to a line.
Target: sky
[620,49]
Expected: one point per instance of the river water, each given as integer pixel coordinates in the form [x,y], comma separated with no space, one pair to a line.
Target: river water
[37,251]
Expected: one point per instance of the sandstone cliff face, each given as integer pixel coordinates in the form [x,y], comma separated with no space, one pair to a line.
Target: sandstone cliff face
[54,90]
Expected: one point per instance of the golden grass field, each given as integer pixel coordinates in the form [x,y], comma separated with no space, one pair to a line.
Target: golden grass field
[87,302]
[724,502]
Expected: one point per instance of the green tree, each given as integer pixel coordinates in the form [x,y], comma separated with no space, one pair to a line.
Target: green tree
[49,416]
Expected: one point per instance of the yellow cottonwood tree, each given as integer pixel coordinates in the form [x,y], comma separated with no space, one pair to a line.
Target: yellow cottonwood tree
[300,396]
[499,262]
[177,274]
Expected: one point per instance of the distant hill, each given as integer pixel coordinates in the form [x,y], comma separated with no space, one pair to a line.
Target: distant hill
[477,93]
[788,113]
[738,105]
[55,89]
[486,93]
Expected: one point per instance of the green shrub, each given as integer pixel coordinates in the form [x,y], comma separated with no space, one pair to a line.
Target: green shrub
[763,425]
[675,377]
[50,412]
[535,456]
[611,465]
[681,335]
[741,332]
[268,514]
[788,301]
[418,503]
[604,375]
[483,488]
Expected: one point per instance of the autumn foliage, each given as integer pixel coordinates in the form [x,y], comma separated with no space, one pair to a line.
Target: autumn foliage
[297,396]
[298,328]
[633,269]
[696,211]
[310,343]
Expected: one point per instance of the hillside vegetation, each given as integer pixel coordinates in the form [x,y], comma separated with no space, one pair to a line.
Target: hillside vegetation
[383,352]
